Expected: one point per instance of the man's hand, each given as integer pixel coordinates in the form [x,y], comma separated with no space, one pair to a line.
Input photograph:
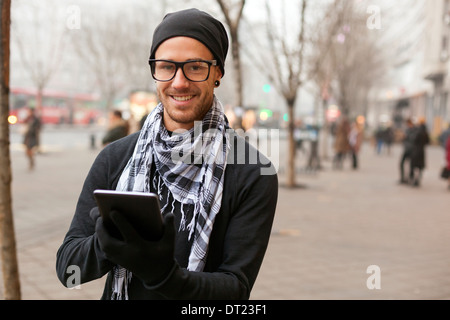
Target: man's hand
[151,261]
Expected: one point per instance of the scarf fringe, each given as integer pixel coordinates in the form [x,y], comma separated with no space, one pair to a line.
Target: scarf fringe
[122,279]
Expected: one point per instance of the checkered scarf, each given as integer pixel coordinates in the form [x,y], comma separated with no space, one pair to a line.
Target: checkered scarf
[190,167]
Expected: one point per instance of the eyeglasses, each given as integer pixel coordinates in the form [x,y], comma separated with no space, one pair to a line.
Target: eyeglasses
[193,70]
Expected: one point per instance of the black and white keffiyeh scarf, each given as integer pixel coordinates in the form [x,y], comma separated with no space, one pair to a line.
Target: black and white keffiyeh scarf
[190,169]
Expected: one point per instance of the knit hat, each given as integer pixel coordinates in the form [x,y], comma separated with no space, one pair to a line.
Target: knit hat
[196,24]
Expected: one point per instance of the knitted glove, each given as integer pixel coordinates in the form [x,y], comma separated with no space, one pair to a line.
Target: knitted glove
[151,261]
[94,214]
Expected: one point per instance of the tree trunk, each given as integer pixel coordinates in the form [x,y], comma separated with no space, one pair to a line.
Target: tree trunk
[235,51]
[39,95]
[290,182]
[325,130]
[233,25]
[7,237]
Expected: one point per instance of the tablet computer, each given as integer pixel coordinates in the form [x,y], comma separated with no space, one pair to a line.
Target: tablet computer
[141,209]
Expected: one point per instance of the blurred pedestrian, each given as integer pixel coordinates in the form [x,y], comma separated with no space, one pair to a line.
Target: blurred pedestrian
[118,127]
[217,205]
[388,138]
[408,145]
[447,156]
[418,159]
[299,137]
[313,158]
[31,136]
[355,139]
[444,141]
[379,139]
[341,143]
[444,136]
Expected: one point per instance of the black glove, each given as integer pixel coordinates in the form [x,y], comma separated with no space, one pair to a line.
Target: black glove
[94,214]
[151,261]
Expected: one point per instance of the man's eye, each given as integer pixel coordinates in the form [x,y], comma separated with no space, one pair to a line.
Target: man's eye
[166,67]
[196,67]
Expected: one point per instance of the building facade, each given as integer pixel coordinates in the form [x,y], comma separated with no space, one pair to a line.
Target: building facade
[437,63]
[419,77]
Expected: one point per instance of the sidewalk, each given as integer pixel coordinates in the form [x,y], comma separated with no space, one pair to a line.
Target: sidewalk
[325,235]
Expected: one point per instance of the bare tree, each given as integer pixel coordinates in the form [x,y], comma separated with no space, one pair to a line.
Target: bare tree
[353,65]
[112,49]
[359,64]
[233,16]
[41,51]
[288,56]
[281,57]
[100,47]
[323,63]
[296,54]
[10,268]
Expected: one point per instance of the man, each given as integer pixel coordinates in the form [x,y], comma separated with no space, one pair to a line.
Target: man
[118,127]
[418,159]
[446,173]
[341,144]
[408,146]
[444,136]
[218,205]
[444,141]
[355,140]
[31,136]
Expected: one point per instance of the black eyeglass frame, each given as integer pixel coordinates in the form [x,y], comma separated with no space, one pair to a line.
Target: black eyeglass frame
[180,65]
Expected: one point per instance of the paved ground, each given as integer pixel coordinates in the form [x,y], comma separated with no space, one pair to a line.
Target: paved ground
[325,235]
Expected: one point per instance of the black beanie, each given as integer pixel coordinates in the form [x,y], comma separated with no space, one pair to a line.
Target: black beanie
[196,24]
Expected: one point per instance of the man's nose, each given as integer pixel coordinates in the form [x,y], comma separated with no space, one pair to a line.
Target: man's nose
[180,80]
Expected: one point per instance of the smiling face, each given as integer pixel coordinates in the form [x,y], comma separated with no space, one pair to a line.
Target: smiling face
[185,101]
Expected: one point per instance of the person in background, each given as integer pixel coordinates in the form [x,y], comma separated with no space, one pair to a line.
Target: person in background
[379,139]
[418,159]
[447,156]
[444,141]
[408,145]
[444,136]
[388,137]
[217,201]
[355,139]
[31,136]
[117,127]
[313,163]
[341,144]
[298,136]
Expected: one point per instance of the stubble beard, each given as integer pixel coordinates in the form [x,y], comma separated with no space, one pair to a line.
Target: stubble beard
[195,113]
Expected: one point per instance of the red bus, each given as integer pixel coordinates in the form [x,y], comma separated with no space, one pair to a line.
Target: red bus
[57,107]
